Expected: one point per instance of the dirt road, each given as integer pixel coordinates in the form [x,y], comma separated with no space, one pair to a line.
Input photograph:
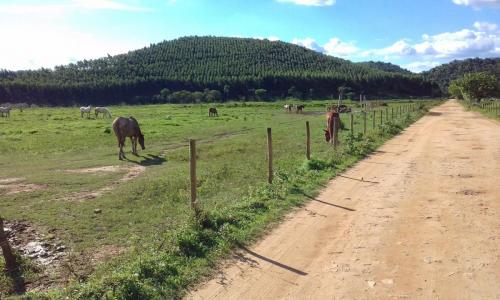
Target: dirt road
[418,219]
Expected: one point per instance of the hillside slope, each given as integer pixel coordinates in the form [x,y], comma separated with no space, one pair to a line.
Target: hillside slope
[444,74]
[383,66]
[234,66]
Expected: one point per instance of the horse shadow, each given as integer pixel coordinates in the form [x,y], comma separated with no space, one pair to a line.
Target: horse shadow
[148,160]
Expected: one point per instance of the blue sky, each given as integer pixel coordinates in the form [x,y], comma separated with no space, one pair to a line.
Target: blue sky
[416,34]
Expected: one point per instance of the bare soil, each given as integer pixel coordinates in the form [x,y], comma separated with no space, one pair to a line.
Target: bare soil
[418,219]
[14,185]
[132,171]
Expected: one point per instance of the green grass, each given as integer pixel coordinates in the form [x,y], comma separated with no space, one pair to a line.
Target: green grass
[168,250]
[489,108]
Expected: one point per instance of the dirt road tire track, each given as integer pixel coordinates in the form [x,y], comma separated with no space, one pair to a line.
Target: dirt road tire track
[423,224]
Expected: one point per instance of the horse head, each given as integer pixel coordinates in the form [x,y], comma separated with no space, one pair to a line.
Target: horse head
[141,141]
[327,135]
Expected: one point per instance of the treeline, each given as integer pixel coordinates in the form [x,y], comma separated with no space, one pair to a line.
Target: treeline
[232,68]
[443,75]
[387,67]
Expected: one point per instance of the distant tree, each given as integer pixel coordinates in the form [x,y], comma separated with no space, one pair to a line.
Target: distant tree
[181,97]
[474,86]
[198,96]
[294,92]
[261,94]
[164,93]
[213,95]
[311,94]
[227,91]
[455,90]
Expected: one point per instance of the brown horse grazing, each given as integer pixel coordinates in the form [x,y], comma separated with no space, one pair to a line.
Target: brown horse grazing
[332,121]
[128,127]
[212,112]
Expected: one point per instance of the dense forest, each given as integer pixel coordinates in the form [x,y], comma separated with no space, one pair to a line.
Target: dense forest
[208,69]
[384,66]
[444,74]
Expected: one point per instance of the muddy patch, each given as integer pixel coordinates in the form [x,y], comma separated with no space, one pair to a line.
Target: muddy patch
[131,173]
[470,192]
[10,186]
[46,251]
[96,170]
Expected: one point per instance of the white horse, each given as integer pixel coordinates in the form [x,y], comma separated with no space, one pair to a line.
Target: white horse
[102,110]
[5,111]
[86,110]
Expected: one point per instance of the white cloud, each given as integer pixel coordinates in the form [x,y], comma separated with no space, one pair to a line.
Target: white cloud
[336,47]
[58,8]
[478,3]
[399,48]
[309,43]
[310,2]
[481,41]
[449,45]
[419,66]
[33,45]
[485,26]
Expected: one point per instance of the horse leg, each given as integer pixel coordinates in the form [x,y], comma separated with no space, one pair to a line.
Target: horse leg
[120,153]
[132,142]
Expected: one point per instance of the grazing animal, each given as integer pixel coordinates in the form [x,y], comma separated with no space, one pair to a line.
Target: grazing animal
[86,110]
[5,111]
[288,107]
[128,127]
[212,112]
[299,108]
[103,110]
[341,109]
[332,121]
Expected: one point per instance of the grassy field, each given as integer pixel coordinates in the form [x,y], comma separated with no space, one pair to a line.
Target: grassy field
[490,108]
[128,229]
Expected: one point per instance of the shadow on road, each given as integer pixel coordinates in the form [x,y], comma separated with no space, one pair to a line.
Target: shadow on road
[291,269]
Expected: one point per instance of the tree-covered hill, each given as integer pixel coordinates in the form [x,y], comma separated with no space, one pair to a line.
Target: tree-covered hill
[235,67]
[445,73]
[387,67]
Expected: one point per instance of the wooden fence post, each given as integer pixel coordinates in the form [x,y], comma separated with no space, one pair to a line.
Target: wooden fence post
[392,113]
[10,259]
[352,123]
[335,137]
[364,122]
[381,116]
[192,173]
[373,121]
[387,114]
[270,155]
[308,141]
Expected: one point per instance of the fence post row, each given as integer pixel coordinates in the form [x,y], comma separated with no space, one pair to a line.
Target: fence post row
[373,120]
[308,141]
[364,122]
[335,134]
[352,123]
[270,155]
[192,172]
